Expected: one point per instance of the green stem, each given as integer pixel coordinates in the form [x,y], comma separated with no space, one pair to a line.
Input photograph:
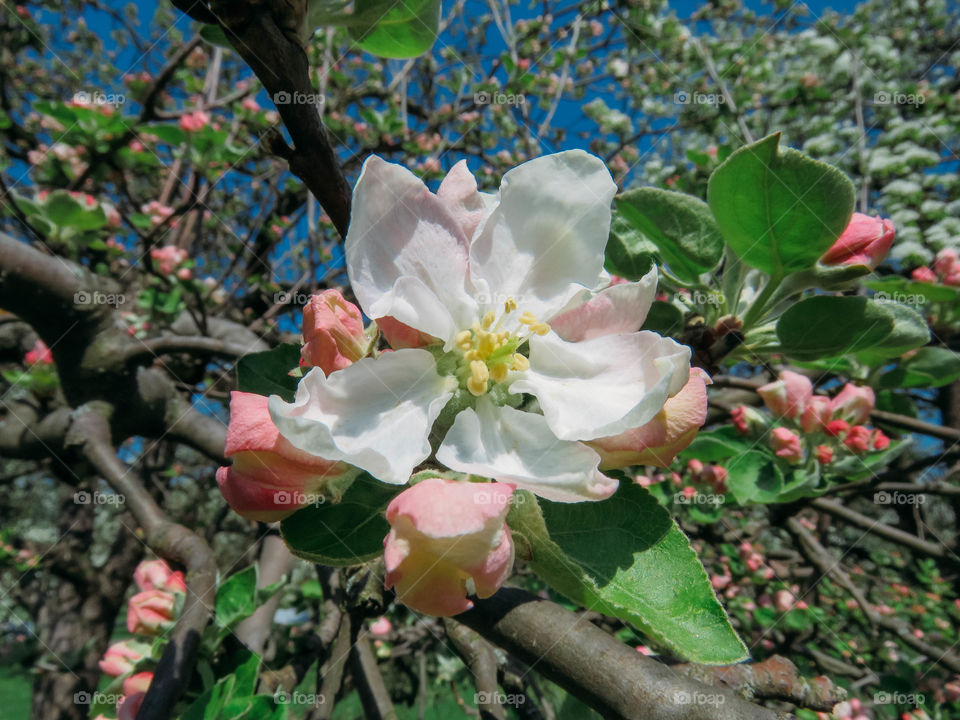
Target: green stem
[759,306]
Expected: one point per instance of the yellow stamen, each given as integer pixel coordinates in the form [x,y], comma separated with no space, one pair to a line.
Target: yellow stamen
[540,328]
[464,340]
[520,362]
[499,372]
[479,370]
[488,317]
[510,305]
[476,388]
[528,318]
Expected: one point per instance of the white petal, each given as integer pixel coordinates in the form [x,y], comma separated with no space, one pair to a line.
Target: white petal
[459,192]
[376,414]
[544,241]
[605,385]
[398,228]
[616,309]
[517,447]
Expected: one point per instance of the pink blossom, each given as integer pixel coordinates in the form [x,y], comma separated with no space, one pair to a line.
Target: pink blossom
[248,103]
[157,575]
[817,413]
[39,355]
[381,626]
[151,611]
[332,332]
[858,439]
[168,258]
[444,533]
[865,241]
[924,274]
[194,121]
[788,396]
[786,444]
[880,440]
[270,478]
[854,403]
[120,658]
[824,454]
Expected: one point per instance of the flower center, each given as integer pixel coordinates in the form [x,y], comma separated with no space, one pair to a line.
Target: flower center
[489,353]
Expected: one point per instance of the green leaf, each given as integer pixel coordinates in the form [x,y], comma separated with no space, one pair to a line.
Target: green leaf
[237,597]
[664,318]
[901,290]
[716,445]
[779,210]
[681,226]
[628,253]
[346,533]
[928,367]
[392,29]
[268,373]
[626,557]
[65,211]
[215,35]
[170,134]
[753,477]
[909,331]
[825,326]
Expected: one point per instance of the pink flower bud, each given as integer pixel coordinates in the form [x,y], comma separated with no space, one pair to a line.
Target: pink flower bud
[138,683]
[837,428]
[39,355]
[747,420]
[194,121]
[381,626]
[786,444]
[120,658]
[783,600]
[670,431]
[168,258]
[129,706]
[448,539]
[332,332]
[151,611]
[270,478]
[817,413]
[858,439]
[924,274]
[866,241]
[157,575]
[788,396]
[946,262]
[824,454]
[880,440]
[854,404]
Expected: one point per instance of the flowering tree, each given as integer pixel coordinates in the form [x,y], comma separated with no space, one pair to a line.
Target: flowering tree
[588,361]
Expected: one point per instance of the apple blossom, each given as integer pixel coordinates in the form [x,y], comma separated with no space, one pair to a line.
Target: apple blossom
[194,121]
[486,275]
[168,258]
[381,626]
[817,413]
[880,440]
[836,428]
[121,657]
[134,691]
[157,575]
[332,332]
[150,612]
[39,355]
[448,539]
[865,241]
[786,444]
[270,478]
[854,403]
[824,454]
[748,420]
[788,396]
[858,439]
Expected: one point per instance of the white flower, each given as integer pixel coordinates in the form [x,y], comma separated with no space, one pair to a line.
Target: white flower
[529,360]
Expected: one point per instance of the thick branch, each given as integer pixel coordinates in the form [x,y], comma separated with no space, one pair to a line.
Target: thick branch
[481,659]
[611,677]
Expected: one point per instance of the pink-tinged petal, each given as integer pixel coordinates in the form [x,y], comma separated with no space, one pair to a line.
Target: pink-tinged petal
[150,611]
[332,332]
[854,403]
[865,241]
[129,706]
[443,534]
[401,232]
[458,191]
[786,444]
[787,396]
[924,275]
[619,308]
[817,414]
[400,336]
[121,657]
[137,683]
[157,575]
[659,441]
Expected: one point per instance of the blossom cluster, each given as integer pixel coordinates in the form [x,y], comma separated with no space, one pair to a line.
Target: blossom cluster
[150,612]
[805,422]
[512,356]
[946,269]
